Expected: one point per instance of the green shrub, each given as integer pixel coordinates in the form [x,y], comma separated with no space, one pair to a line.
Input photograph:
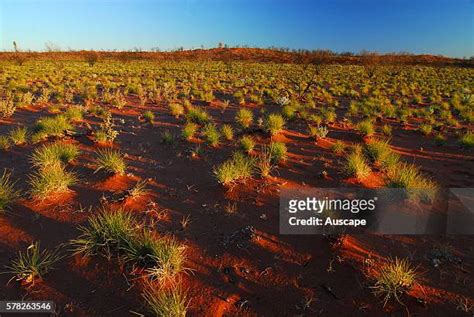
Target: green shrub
[426,129]
[288,112]
[74,113]
[172,302]
[409,177]
[338,147]
[53,126]
[387,130]
[167,137]
[319,132]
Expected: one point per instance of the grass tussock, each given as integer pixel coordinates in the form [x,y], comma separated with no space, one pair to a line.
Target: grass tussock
[278,152]
[8,193]
[33,264]
[244,118]
[274,123]
[117,232]
[172,302]
[395,279]
[211,135]
[57,153]
[409,177]
[111,161]
[19,136]
[356,165]
[237,168]
[50,181]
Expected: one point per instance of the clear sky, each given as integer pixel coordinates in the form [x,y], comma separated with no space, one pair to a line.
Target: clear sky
[420,26]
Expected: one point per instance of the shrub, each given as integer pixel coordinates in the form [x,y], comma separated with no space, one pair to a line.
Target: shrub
[51,181]
[467,140]
[288,112]
[366,127]
[166,303]
[189,130]
[198,115]
[148,116]
[176,110]
[106,132]
[19,135]
[278,151]
[8,193]
[7,108]
[54,154]
[237,168]
[227,132]
[395,279]
[33,264]
[356,165]
[247,143]
[211,134]
[111,161]
[409,177]
[244,118]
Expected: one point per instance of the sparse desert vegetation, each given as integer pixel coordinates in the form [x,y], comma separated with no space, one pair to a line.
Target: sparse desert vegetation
[160,178]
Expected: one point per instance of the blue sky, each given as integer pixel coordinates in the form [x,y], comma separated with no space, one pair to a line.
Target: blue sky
[420,26]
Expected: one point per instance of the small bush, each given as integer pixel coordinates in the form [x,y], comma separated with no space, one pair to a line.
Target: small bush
[167,138]
[244,118]
[380,153]
[211,135]
[189,130]
[395,279]
[33,264]
[387,130]
[227,132]
[274,124]
[111,161]
[247,143]
[264,164]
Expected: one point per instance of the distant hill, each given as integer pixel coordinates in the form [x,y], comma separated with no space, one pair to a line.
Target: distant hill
[247,54]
